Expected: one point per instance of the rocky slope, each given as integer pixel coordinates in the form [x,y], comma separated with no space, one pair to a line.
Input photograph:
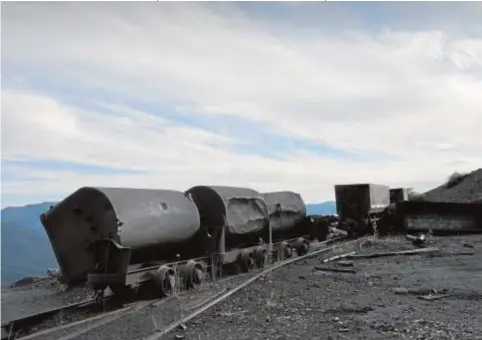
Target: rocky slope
[464,188]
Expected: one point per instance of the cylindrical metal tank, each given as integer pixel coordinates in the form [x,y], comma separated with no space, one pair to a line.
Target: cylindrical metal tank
[243,211]
[153,217]
[286,210]
[134,218]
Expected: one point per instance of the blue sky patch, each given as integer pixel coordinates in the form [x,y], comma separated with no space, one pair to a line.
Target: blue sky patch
[48,165]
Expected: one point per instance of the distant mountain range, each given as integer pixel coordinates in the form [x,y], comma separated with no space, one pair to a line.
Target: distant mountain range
[26,249]
[324,208]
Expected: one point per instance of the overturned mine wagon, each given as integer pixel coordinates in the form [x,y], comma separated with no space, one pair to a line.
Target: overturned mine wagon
[439,217]
[360,205]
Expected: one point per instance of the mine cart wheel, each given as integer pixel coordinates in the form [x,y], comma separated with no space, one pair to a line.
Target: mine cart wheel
[302,246]
[260,256]
[166,280]
[246,261]
[193,274]
[285,251]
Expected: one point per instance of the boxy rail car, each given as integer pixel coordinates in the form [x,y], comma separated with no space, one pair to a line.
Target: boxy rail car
[398,195]
[360,205]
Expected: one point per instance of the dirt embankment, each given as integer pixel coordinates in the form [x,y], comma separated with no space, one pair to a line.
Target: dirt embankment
[463,188]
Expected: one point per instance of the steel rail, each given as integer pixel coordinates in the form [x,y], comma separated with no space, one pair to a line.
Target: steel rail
[14,325]
[215,301]
[11,327]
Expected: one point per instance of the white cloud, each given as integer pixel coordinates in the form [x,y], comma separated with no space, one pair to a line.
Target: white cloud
[411,100]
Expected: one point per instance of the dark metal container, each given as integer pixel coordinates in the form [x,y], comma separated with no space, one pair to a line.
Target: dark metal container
[357,201]
[286,210]
[135,219]
[398,195]
[239,212]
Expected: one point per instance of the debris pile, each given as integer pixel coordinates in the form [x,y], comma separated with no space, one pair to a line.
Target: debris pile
[467,189]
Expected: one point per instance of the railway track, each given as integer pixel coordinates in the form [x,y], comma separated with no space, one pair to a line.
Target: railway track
[10,329]
[87,317]
[215,300]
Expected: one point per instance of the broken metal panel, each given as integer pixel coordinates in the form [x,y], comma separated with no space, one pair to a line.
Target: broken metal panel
[244,210]
[286,209]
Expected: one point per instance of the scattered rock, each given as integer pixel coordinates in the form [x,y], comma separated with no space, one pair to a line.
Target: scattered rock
[416,291]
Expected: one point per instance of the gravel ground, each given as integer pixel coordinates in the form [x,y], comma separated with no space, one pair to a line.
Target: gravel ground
[137,320]
[37,296]
[380,301]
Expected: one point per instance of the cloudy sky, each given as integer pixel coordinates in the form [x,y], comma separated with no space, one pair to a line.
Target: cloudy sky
[272,96]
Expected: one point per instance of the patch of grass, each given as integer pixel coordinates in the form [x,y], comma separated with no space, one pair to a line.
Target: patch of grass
[455,178]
